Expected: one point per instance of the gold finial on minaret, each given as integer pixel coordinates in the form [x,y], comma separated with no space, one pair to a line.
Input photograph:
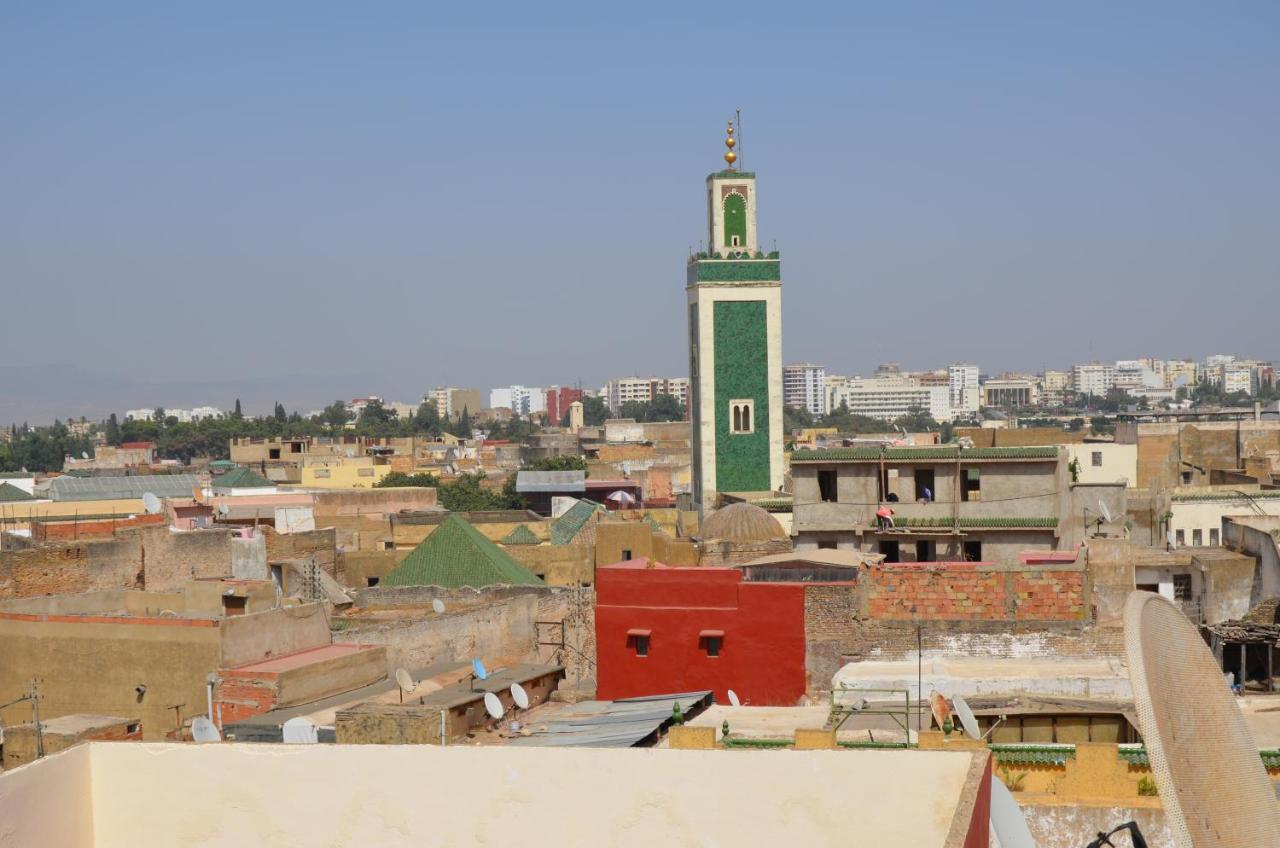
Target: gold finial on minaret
[730,142]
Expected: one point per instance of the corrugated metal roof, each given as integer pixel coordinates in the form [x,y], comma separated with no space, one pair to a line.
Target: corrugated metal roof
[67,488]
[551,481]
[610,724]
[941,452]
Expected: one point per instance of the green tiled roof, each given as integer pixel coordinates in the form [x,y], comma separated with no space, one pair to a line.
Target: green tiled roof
[941,452]
[568,525]
[775,504]
[241,478]
[1043,754]
[1000,523]
[1226,496]
[10,493]
[522,535]
[458,555]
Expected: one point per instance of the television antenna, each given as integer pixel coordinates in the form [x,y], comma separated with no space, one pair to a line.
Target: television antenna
[493,706]
[203,730]
[1007,820]
[438,606]
[967,719]
[151,503]
[733,699]
[519,696]
[299,730]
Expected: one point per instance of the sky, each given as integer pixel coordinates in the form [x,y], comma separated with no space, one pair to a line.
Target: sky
[308,200]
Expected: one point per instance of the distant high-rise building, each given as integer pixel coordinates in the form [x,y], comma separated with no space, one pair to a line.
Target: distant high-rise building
[1093,379]
[962,385]
[521,400]
[558,400]
[805,386]
[888,398]
[644,390]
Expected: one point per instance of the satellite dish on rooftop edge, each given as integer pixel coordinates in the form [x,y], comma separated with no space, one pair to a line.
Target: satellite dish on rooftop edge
[733,699]
[438,606]
[967,720]
[405,682]
[84,454]
[478,669]
[1007,819]
[203,730]
[1105,510]
[492,705]
[1170,538]
[299,730]
[151,503]
[520,696]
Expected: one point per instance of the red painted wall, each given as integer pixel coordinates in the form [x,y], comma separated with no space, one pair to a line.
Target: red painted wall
[762,657]
[979,835]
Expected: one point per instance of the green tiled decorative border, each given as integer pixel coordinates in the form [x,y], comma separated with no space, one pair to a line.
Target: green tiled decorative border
[740,329]
[735,271]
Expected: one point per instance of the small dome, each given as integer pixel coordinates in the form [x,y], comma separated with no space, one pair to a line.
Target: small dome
[743,522]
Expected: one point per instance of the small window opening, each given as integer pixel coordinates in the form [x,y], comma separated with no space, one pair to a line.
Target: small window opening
[827,485]
[826,545]
[626,554]
[971,485]
[1213,535]
[273,453]
[973,552]
[924,550]
[233,605]
[1096,459]
[712,645]
[640,644]
[890,550]
[373,581]
[924,484]
[1197,537]
[1182,587]
[1180,537]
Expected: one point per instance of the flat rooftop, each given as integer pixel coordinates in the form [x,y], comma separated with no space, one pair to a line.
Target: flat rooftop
[104,795]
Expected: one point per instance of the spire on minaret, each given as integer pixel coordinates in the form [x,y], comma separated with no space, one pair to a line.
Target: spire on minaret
[730,142]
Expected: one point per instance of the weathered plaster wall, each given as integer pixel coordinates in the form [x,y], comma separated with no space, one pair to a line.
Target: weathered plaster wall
[51,804]
[273,633]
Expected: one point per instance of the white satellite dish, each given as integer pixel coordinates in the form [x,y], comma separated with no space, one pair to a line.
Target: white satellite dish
[203,730]
[520,696]
[224,509]
[492,705]
[478,669]
[733,699]
[84,454]
[299,731]
[1106,512]
[151,503]
[1171,539]
[406,683]
[1008,821]
[967,720]
[438,606]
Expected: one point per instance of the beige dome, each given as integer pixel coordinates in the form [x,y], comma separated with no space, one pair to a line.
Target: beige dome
[743,522]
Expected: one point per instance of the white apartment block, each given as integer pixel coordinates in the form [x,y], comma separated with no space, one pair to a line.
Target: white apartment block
[644,390]
[962,383]
[1136,374]
[521,400]
[1238,377]
[1181,372]
[805,386]
[888,398]
[1093,379]
[186,416]
[1053,385]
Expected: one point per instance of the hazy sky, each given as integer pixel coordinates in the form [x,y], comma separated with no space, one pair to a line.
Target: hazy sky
[479,194]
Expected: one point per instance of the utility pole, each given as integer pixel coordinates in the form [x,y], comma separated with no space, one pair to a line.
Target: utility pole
[35,718]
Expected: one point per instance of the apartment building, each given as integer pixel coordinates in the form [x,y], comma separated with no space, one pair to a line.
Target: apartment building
[892,397]
[644,390]
[962,384]
[521,400]
[1093,379]
[804,386]
[950,504]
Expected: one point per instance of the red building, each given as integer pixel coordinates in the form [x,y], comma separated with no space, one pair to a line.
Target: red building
[558,400]
[664,629]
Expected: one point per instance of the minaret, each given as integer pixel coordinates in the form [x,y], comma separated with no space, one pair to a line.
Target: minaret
[735,345]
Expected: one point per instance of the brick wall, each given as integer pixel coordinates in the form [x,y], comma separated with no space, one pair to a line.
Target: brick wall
[975,592]
[319,546]
[171,559]
[70,531]
[60,569]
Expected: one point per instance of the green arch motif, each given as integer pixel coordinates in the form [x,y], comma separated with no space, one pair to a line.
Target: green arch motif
[735,219]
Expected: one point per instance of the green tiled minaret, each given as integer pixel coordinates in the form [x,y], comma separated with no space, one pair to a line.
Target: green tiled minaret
[735,345]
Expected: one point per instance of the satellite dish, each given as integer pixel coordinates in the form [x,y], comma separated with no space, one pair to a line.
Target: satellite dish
[492,705]
[299,731]
[477,668]
[1106,513]
[1009,823]
[224,509]
[733,699]
[967,720]
[438,606]
[151,503]
[520,696]
[406,683]
[1171,539]
[203,730]
[84,454]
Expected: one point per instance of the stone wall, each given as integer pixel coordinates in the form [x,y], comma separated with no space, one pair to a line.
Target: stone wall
[318,546]
[171,559]
[500,626]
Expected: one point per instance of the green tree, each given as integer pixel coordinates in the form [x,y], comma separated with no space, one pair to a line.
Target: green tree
[1101,425]
[280,414]
[464,423]
[398,479]
[112,430]
[796,418]
[237,414]
[594,411]
[335,415]
[665,408]
[466,494]
[916,421]
[427,420]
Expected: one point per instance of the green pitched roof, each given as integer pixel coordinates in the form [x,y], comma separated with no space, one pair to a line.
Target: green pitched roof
[870,454]
[241,478]
[458,555]
[522,535]
[568,525]
[10,493]
[993,523]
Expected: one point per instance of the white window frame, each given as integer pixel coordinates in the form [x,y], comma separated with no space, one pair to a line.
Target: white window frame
[734,407]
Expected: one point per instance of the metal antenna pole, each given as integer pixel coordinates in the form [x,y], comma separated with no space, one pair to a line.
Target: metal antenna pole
[35,719]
